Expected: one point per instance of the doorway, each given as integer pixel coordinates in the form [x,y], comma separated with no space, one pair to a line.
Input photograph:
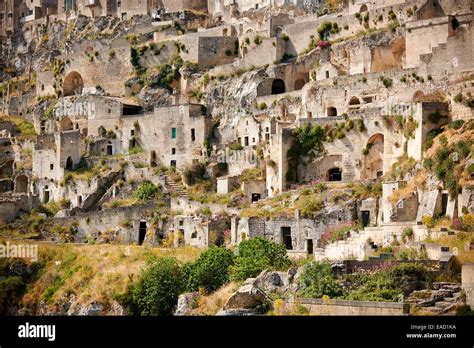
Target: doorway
[256,197]
[310,246]
[365,218]
[142,232]
[286,237]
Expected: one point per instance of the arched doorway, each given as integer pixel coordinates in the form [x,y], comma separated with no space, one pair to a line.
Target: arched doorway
[331,112]
[373,161]
[21,184]
[278,86]
[363,8]
[354,102]
[299,84]
[73,84]
[418,96]
[66,124]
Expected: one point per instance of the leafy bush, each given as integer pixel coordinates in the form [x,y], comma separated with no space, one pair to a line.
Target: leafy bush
[455,124]
[157,290]
[195,173]
[146,191]
[211,270]
[324,30]
[428,221]
[255,255]
[317,281]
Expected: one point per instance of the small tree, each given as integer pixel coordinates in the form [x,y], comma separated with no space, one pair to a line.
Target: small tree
[211,270]
[157,290]
[257,254]
[146,191]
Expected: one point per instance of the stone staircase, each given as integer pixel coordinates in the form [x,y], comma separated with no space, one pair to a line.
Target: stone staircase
[352,247]
[348,170]
[174,188]
[443,298]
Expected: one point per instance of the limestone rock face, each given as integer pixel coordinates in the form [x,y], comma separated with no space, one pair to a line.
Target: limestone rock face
[246,297]
[185,302]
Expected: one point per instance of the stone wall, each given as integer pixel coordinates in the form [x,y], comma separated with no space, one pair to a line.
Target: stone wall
[343,307]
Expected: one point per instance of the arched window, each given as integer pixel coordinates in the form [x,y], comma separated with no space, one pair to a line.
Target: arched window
[66,124]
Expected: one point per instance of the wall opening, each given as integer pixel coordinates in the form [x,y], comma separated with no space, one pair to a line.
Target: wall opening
[69,164]
[45,196]
[193,134]
[142,232]
[365,218]
[66,124]
[21,184]
[256,197]
[110,149]
[373,157]
[278,86]
[363,8]
[73,84]
[335,174]
[354,102]
[309,246]
[331,112]
[444,204]
[286,237]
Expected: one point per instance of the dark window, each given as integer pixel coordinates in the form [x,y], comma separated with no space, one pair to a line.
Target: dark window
[173,133]
[173,151]
[332,112]
[69,164]
[310,246]
[193,134]
[173,163]
[51,166]
[246,139]
[365,218]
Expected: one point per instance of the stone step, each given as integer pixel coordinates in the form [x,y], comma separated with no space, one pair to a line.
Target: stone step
[433,309]
[443,304]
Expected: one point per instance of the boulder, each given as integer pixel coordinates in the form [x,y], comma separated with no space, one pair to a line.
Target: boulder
[247,296]
[186,303]
[273,281]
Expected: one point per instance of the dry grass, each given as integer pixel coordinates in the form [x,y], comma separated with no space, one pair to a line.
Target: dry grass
[92,272]
[458,242]
[402,193]
[211,304]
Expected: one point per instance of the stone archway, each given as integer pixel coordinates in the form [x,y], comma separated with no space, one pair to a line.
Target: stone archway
[354,102]
[373,161]
[363,8]
[21,184]
[73,84]
[66,124]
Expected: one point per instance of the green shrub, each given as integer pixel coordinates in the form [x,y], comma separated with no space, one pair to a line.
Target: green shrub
[457,124]
[317,281]
[211,270]
[195,173]
[255,255]
[458,98]
[146,191]
[157,290]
